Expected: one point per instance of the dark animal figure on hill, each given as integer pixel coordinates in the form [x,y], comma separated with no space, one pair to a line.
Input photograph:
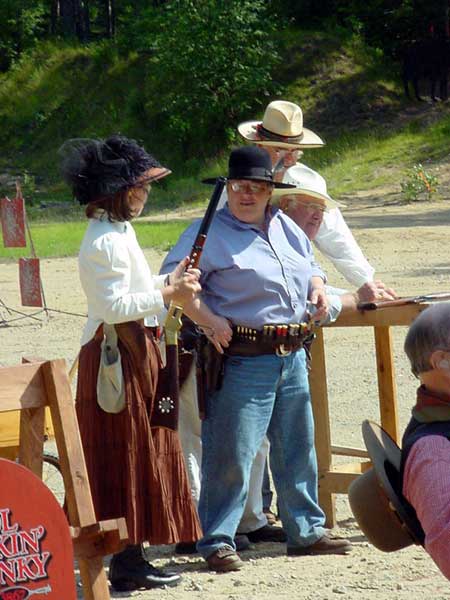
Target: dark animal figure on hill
[430,60]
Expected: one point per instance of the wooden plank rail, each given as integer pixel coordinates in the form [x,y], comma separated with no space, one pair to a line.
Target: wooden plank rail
[347,451]
[335,480]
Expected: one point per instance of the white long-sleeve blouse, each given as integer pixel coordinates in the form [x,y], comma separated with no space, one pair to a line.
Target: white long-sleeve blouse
[116,277]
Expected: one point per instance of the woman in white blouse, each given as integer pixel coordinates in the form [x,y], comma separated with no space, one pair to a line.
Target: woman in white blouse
[135,468]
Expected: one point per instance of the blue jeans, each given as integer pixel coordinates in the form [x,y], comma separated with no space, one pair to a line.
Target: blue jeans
[266,490]
[260,395]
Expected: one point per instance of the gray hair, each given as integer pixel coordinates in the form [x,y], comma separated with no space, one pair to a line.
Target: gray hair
[291,202]
[429,332]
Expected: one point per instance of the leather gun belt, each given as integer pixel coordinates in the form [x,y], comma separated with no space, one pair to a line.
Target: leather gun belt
[272,339]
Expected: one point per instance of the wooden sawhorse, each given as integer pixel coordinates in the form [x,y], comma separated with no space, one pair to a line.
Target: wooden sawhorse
[30,388]
[336,479]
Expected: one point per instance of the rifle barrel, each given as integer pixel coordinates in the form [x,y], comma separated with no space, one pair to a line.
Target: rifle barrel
[200,240]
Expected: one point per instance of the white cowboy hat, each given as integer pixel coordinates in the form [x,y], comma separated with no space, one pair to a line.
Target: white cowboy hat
[282,126]
[309,183]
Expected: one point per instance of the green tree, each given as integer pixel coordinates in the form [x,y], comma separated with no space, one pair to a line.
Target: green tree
[213,64]
[386,24]
[22,23]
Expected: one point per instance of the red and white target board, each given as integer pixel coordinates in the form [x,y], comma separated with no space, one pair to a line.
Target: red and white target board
[12,215]
[36,552]
[15,231]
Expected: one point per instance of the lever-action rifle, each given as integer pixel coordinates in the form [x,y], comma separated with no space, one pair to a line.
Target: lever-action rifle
[436,297]
[172,324]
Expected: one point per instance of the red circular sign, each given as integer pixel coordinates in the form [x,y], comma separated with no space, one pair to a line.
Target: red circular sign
[36,552]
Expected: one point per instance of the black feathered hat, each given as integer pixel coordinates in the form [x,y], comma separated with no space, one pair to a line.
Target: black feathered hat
[253,163]
[100,168]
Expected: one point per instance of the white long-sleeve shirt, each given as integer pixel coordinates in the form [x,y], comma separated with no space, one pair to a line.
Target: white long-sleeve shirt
[335,240]
[116,277]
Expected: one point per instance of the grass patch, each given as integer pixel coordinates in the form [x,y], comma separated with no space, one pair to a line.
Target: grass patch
[64,239]
[160,234]
[350,94]
[373,159]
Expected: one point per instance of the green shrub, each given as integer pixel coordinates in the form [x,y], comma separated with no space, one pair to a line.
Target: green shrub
[418,184]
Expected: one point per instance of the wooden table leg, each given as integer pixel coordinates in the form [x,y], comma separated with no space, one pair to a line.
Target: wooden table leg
[319,397]
[386,381]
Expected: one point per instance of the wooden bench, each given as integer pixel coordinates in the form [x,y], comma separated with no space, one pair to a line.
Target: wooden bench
[29,388]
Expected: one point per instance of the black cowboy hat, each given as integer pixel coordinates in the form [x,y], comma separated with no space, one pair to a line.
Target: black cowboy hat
[383,514]
[252,163]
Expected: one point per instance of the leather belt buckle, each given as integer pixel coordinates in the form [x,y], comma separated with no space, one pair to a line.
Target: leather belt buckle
[282,350]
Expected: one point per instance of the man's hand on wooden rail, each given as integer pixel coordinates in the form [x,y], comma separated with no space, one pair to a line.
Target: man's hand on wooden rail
[375,290]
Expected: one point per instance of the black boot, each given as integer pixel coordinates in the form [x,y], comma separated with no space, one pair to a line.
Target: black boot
[129,571]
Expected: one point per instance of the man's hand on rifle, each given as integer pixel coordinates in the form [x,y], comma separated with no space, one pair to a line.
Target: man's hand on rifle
[375,291]
[183,285]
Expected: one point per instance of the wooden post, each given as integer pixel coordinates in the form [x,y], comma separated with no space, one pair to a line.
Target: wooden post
[73,466]
[387,391]
[32,421]
[319,397]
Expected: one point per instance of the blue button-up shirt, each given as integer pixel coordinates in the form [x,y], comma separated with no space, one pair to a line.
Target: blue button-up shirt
[250,276]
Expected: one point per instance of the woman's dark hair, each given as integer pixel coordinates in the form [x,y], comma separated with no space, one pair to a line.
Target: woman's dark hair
[116,207]
[100,172]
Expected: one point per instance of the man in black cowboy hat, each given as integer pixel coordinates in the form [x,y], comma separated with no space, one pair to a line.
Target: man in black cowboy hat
[282,133]
[258,272]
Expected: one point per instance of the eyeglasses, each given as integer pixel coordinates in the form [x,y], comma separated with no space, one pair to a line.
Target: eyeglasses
[309,205]
[247,187]
[279,150]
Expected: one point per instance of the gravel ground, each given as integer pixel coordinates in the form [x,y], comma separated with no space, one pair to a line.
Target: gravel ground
[406,245]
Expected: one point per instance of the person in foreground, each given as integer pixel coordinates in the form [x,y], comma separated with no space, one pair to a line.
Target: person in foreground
[426,441]
[135,468]
[258,272]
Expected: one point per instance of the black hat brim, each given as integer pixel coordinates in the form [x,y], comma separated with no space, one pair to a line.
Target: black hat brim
[276,184]
[386,456]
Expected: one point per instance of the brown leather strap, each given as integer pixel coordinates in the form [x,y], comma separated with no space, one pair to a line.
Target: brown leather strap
[256,349]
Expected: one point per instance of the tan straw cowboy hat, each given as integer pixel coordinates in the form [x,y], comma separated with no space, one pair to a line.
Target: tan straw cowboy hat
[307,183]
[382,512]
[282,126]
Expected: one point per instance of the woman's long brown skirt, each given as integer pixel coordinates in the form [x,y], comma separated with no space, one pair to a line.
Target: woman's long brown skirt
[135,471]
